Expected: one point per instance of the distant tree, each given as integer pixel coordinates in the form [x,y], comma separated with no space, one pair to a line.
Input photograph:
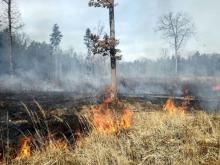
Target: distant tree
[3,52]
[38,60]
[176,29]
[88,43]
[20,43]
[55,39]
[12,17]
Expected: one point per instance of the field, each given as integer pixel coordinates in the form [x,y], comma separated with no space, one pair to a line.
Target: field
[154,137]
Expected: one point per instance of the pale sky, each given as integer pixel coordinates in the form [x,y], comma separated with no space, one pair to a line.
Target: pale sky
[135,23]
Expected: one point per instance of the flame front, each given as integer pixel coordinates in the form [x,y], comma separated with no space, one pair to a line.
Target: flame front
[25,149]
[102,119]
[106,121]
[171,107]
[125,119]
[184,104]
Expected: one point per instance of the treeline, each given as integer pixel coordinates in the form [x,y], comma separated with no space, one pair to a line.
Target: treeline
[36,62]
[40,61]
[31,57]
[194,65]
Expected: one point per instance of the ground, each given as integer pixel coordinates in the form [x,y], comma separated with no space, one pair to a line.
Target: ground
[155,137]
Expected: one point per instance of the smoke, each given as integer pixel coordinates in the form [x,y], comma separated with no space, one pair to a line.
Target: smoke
[198,77]
[198,74]
[35,70]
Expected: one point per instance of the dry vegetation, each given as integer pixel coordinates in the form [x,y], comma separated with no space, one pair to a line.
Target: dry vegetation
[156,137]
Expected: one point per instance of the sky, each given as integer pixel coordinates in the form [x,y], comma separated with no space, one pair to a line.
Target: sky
[135,24]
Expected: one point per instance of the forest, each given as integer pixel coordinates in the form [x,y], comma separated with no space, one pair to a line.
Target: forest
[36,62]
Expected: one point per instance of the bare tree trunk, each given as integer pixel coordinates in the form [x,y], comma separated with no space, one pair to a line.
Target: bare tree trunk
[93,65]
[59,68]
[56,65]
[112,51]
[176,62]
[7,136]
[11,67]
[176,57]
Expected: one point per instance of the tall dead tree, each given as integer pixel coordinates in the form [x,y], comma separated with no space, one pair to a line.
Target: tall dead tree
[176,29]
[107,45]
[12,24]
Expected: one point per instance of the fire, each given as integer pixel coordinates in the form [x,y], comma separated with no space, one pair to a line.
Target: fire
[172,108]
[102,119]
[105,121]
[25,149]
[108,120]
[125,119]
[184,104]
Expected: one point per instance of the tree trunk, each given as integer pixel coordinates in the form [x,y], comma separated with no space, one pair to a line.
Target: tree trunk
[112,52]
[11,67]
[176,63]
[176,57]
[56,65]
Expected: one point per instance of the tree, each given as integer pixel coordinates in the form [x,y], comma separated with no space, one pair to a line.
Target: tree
[55,39]
[12,24]
[176,29]
[107,45]
[38,60]
[3,52]
[88,43]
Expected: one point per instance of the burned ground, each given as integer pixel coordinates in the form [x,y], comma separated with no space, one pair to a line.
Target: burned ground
[155,137]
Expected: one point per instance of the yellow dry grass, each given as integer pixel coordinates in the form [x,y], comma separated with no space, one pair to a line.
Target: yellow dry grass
[155,138]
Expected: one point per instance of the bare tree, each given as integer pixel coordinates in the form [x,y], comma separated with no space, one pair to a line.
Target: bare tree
[107,45]
[176,29]
[12,24]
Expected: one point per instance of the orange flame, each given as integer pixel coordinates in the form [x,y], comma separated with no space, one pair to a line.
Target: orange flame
[184,104]
[102,119]
[125,119]
[171,107]
[25,149]
[106,121]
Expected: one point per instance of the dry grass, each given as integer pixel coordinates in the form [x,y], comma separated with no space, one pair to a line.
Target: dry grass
[155,138]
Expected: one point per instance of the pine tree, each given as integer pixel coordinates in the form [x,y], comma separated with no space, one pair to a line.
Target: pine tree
[88,43]
[56,36]
[55,39]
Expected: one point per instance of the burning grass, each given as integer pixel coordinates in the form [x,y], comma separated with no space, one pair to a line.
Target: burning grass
[154,137]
